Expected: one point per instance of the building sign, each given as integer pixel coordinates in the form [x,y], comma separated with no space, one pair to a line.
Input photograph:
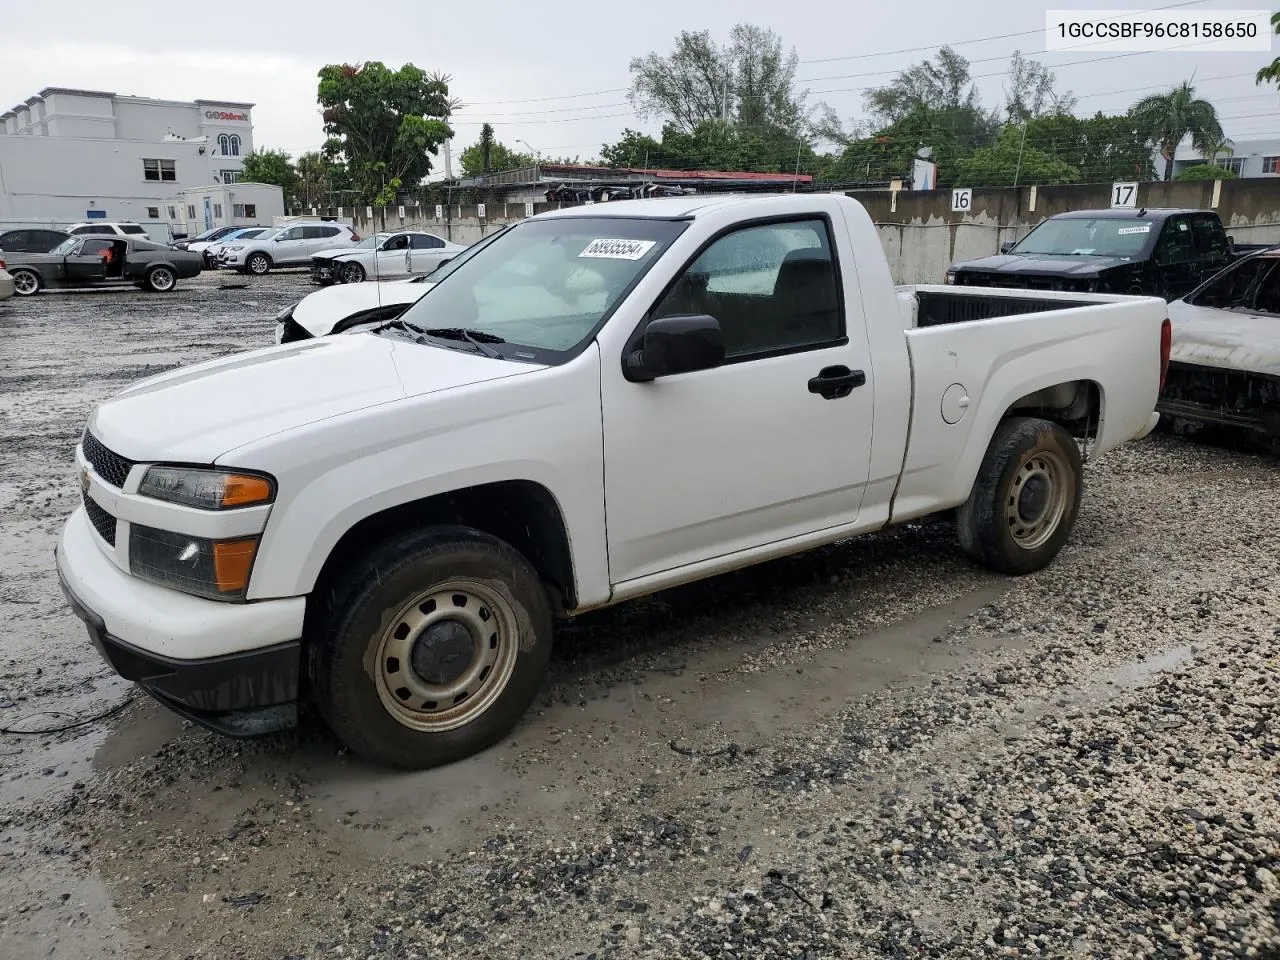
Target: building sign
[225,115]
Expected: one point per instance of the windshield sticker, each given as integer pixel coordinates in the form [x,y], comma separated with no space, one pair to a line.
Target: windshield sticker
[618,249]
[1145,228]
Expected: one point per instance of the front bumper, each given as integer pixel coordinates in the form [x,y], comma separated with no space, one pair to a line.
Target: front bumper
[242,693]
[323,272]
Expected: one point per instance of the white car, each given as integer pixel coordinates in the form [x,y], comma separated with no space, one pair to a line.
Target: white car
[388,522]
[107,228]
[1225,367]
[209,249]
[7,286]
[345,306]
[291,246]
[384,256]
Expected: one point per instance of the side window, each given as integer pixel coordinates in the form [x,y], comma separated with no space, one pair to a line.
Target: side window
[313,233]
[330,231]
[1210,238]
[1175,242]
[425,241]
[19,241]
[1232,287]
[399,242]
[94,248]
[1268,297]
[772,288]
[293,233]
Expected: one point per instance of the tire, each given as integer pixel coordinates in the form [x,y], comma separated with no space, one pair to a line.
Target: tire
[258,264]
[161,280]
[352,273]
[26,283]
[1025,499]
[363,661]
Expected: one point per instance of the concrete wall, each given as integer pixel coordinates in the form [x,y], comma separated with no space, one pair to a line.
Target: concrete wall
[920,234]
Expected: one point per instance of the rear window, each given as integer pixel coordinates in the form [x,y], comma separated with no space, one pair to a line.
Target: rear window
[91,228]
[132,228]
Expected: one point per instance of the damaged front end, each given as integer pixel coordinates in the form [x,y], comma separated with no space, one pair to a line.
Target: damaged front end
[1214,396]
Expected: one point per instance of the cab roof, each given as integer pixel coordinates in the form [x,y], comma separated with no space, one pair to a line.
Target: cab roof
[1153,213]
[662,208]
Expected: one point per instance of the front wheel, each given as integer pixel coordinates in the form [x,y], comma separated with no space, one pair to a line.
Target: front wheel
[258,264]
[26,283]
[352,273]
[1025,499]
[434,650]
[161,280]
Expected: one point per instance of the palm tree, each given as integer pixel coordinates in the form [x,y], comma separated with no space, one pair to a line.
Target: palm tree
[1224,146]
[1168,117]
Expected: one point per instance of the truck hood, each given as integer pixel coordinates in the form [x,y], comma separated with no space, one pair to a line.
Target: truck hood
[1226,339]
[1043,264]
[196,414]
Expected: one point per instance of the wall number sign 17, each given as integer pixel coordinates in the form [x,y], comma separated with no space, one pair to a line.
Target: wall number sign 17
[962,200]
[1124,196]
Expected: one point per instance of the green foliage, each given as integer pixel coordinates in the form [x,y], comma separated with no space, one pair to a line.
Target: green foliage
[952,134]
[272,166]
[385,124]
[1166,118]
[1271,72]
[1205,171]
[1011,161]
[319,179]
[1104,149]
[488,155]
[712,145]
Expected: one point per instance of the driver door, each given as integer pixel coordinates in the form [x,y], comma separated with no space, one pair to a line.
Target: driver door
[763,448]
[87,263]
[393,258]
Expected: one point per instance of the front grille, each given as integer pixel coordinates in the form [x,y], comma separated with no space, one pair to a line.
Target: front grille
[102,521]
[111,467]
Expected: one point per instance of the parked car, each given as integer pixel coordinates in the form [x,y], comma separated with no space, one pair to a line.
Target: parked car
[291,246]
[384,256]
[209,236]
[344,307]
[388,521]
[1225,365]
[31,240]
[7,288]
[1163,253]
[104,261]
[107,228]
[209,249]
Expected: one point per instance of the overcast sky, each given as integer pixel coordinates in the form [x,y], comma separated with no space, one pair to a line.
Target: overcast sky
[555,76]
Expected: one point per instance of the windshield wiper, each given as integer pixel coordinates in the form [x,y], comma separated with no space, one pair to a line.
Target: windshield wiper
[477,338]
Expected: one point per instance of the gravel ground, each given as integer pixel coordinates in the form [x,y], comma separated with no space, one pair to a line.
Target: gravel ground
[874,750]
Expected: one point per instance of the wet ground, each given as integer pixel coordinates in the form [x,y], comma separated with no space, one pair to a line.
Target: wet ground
[874,750]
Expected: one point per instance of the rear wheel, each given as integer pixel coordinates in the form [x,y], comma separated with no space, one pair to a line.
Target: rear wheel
[258,263]
[26,283]
[434,650]
[1025,499]
[352,273]
[161,280]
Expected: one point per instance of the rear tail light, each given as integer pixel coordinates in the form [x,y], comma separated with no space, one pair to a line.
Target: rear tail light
[2,266]
[1166,349]
[355,236]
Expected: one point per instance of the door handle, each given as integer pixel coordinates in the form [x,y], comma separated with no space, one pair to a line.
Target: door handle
[833,383]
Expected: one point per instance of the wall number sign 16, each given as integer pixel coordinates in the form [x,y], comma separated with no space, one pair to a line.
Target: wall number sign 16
[1124,195]
[962,200]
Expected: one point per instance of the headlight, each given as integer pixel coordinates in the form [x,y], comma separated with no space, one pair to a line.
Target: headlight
[236,247]
[206,489]
[951,276]
[214,569]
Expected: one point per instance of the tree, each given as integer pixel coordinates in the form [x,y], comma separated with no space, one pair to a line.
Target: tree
[1011,161]
[1271,72]
[1223,146]
[1030,92]
[385,124]
[1206,171]
[713,145]
[750,81]
[1104,149]
[319,179]
[272,166]
[942,85]
[1166,118]
[487,155]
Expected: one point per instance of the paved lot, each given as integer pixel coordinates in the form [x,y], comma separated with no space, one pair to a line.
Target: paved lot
[874,750]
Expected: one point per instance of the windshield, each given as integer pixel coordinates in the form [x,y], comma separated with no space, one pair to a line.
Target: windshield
[368,242]
[66,246]
[545,286]
[267,235]
[1080,237]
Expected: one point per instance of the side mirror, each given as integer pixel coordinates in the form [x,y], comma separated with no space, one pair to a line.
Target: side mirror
[1007,246]
[679,344]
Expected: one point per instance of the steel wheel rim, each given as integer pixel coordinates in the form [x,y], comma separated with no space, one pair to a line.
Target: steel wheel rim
[258,264]
[161,278]
[1037,499]
[435,704]
[25,283]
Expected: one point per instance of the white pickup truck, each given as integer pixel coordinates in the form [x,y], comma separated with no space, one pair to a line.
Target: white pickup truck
[605,402]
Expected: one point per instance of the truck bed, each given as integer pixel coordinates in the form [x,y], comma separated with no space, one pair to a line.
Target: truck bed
[938,306]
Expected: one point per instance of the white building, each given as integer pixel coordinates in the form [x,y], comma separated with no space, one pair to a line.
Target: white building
[230,204]
[1248,158]
[74,155]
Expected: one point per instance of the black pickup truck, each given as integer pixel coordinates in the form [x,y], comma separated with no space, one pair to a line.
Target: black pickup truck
[1164,253]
